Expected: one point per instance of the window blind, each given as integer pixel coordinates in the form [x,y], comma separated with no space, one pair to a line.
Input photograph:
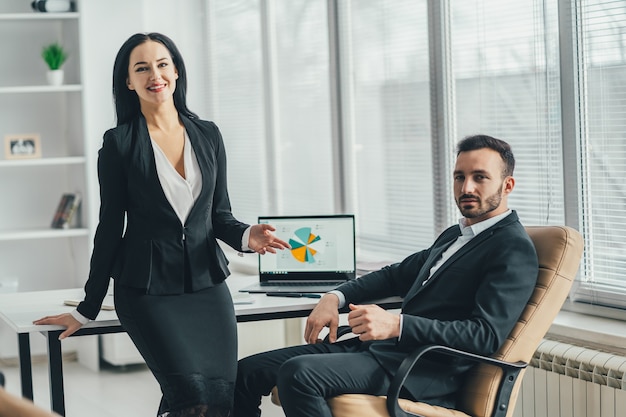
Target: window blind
[602,26]
[506,73]
[304,153]
[385,90]
[236,91]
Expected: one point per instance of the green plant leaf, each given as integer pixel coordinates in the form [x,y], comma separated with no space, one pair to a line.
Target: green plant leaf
[54,55]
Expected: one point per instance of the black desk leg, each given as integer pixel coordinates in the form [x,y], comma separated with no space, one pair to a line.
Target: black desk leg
[26,367]
[55,370]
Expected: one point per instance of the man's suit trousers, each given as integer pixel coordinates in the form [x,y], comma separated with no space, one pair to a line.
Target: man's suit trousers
[306,375]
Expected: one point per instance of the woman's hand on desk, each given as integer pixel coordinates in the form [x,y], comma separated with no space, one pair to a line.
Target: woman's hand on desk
[65,320]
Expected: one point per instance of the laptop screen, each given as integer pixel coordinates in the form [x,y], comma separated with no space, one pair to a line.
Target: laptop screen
[322,249]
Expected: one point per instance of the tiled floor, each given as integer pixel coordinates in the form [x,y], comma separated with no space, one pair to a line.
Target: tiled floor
[128,391]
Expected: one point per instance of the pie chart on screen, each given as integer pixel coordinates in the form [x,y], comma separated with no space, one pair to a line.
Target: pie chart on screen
[306,245]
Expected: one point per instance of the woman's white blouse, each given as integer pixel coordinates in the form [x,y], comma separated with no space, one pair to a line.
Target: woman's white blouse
[180,192]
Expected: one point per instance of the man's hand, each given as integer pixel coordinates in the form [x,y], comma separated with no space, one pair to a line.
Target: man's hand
[65,320]
[372,322]
[325,314]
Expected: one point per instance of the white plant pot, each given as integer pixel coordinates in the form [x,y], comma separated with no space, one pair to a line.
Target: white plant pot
[55,77]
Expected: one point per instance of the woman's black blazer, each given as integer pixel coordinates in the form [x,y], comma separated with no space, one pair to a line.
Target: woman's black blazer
[140,241]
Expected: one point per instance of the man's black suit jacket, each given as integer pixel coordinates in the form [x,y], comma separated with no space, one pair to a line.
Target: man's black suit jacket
[471,302]
[140,241]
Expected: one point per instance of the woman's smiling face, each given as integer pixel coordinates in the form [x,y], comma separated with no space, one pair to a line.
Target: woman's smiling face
[151,73]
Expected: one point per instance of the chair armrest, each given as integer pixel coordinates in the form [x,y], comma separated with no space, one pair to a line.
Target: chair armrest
[510,373]
[341,331]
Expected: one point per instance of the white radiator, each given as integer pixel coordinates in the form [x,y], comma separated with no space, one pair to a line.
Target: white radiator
[564,380]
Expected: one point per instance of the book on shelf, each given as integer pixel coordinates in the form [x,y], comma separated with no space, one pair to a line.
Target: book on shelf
[66,211]
[59,211]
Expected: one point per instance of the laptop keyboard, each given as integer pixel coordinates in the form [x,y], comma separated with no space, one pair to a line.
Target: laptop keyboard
[301,284]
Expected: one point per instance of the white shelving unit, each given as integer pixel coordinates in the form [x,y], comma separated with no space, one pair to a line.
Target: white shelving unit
[40,89]
[78,160]
[32,254]
[70,120]
[32,16]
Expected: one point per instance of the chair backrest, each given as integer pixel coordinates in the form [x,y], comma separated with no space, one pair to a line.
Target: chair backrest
[559,250]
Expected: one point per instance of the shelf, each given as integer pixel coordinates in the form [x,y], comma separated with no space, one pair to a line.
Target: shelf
[70,160]
[38,16]
[41,89]
[41,234]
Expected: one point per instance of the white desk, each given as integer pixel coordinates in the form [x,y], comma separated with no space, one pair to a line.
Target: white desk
[19,310]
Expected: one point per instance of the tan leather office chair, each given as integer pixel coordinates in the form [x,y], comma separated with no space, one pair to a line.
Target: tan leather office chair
[492,386]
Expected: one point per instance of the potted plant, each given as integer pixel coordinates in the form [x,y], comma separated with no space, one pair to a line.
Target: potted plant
[55,56]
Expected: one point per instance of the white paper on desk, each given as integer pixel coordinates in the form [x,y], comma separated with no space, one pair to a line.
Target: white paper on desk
[74,303]
[242,298]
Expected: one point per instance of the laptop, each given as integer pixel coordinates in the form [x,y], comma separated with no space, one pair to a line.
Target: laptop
[322,255]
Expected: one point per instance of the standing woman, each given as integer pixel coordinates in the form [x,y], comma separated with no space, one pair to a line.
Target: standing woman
[164,202]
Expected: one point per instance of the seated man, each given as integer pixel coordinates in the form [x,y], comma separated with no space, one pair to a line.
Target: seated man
[466,291]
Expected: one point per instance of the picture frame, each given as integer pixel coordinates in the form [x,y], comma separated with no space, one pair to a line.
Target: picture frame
[22,146]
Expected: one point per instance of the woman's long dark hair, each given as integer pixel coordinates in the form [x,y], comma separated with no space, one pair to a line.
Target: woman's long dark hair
[127,105]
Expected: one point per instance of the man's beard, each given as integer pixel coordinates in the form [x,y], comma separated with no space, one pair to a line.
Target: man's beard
[491,203]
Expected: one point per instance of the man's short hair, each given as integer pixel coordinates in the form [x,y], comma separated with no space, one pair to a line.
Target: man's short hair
[475,142]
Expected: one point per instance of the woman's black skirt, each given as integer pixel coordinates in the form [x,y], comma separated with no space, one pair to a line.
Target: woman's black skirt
[189,342]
